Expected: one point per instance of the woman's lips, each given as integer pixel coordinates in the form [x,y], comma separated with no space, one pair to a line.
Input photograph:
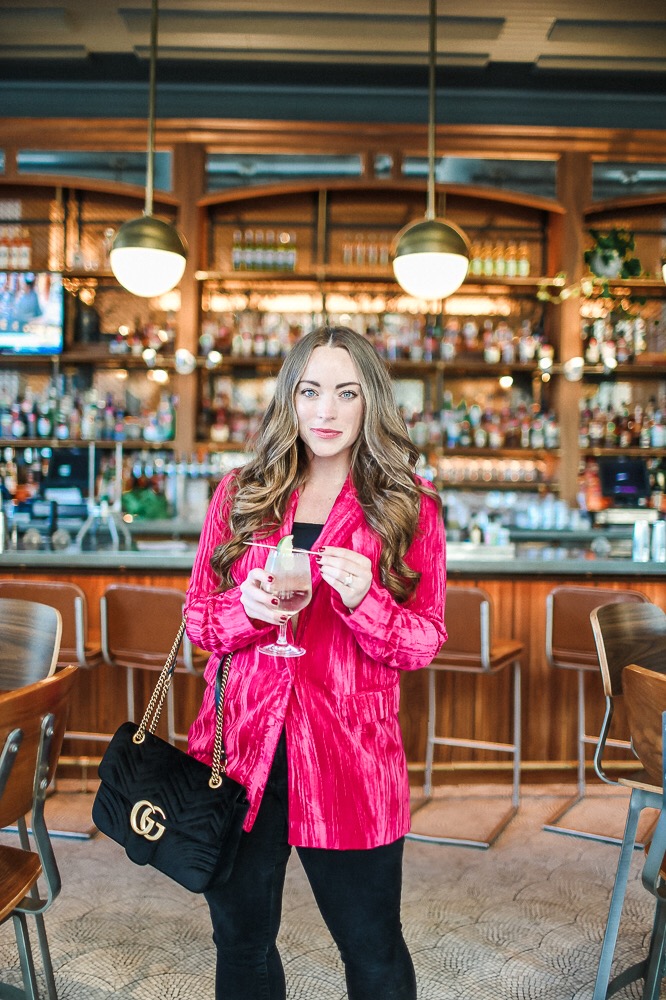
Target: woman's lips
[323,433]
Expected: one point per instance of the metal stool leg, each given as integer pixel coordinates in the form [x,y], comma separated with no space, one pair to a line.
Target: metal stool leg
[130,694]
[655,961]
[430,743]
[639,800]
[25,957]
[517,734]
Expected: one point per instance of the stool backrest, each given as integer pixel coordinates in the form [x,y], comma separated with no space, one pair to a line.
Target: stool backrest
[628,633]
[70,601]
[29,642]
[139,625]
[469,627]
[645,701]
[570,641]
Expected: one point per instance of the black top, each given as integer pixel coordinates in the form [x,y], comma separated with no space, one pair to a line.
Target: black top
[305,534]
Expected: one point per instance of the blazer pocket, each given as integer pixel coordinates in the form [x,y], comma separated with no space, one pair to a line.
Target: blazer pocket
[371,706]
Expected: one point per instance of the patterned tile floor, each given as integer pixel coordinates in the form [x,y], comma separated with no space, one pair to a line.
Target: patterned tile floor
[521,921]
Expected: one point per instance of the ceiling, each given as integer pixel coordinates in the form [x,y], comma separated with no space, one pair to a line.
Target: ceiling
[600,35]
[346,59]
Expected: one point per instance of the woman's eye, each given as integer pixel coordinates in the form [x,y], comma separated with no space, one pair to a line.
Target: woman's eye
[349,394]
[308,393]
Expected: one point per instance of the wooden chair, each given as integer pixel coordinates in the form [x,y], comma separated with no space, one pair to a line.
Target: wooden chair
[30,635]
[625,634]
[139,625]
[472,648]
[570,645]
[645,700]
[32,725]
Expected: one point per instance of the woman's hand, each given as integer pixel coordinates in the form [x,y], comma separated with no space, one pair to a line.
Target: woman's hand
[348,572]
[259,603]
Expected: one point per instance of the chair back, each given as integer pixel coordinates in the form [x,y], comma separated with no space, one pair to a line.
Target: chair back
[29,642]
[139,625]
[32,725]
[645,701]
[469,627]
[625,634]
[569,638]
[71,602]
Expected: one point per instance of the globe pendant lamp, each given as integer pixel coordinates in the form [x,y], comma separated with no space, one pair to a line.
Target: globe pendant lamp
[431,257]
[148,255]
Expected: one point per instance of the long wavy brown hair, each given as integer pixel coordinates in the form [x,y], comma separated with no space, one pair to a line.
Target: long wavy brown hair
[383,464]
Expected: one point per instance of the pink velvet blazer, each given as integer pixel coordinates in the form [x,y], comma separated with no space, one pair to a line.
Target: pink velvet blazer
[348,782]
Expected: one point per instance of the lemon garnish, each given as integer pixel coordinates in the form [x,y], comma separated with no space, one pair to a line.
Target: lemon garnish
[286,545]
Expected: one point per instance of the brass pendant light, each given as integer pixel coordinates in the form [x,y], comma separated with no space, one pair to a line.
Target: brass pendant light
[148,255]
[431,257]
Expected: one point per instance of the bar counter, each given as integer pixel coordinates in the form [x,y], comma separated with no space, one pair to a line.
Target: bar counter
[476,565]
[469,705]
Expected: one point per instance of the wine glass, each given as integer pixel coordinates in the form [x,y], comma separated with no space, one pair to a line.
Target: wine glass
[292,585]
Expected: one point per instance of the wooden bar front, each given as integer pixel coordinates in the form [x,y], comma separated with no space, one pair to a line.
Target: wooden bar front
[467,705]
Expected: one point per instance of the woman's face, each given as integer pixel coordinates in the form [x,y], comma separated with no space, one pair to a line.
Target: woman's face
[329,404]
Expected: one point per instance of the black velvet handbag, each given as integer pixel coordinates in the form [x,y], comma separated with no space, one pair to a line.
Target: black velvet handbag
[166,808]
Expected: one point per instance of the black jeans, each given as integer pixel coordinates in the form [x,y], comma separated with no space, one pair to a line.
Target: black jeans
[358,894]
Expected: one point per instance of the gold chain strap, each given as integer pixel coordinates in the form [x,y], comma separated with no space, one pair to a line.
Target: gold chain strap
[152,714]
[159,694]
[219,758]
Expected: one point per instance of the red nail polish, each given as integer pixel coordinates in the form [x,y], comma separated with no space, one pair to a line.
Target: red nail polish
[275,602]
[284,619]
[318,559]
[270,579]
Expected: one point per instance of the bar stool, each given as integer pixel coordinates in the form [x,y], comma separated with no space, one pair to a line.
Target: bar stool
[70,601]
[570,645]
[472,649]
[138,627]
[625,634]
[645,699]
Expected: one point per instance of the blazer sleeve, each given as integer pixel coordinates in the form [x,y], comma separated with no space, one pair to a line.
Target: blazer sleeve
[216,620]
[406,636]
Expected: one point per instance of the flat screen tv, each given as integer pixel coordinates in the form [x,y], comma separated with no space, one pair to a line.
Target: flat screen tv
[31,312]
[625,480]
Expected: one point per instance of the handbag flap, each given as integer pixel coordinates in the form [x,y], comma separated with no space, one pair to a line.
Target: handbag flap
[163,786]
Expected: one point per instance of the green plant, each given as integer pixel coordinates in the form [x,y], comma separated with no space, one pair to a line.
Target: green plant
[614,244]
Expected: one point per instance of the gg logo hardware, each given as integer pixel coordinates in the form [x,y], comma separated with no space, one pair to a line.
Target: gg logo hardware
[143,822]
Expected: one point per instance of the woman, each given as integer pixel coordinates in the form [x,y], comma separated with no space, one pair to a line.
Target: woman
[316,740]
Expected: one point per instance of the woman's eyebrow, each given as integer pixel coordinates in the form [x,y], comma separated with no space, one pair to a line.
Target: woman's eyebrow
[340,385]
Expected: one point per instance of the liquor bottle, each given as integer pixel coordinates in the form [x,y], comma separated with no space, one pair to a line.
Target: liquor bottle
[658,430]
[511,260]
[475,259]
[166,417]
[18,426]
[523,261]
[237,256]
[269,251]
[283,251]
[258,251]
[291,253]
[499,260]
[487,259]
[248,250]
[359,250]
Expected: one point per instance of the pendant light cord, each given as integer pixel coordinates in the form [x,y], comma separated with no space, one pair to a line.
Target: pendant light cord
[430,212]
[150,166]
